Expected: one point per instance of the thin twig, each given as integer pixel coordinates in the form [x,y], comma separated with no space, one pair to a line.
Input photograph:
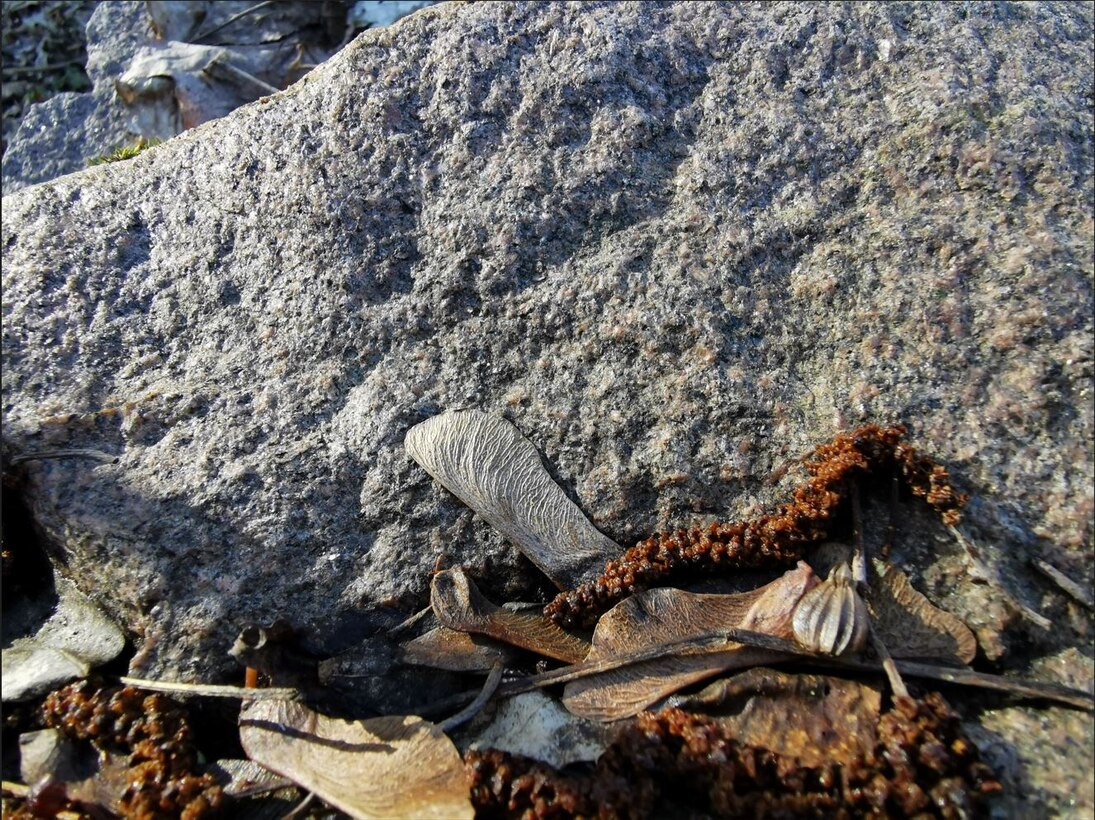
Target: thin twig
[405,625]
[42,455]
[490,686]
[299,808]
[15,71]
[1064,582]
[199,37]
[981,572]
[859,570]
[888,665]
[859,559]
[972,552]
[701,645]
[1014,686]
[891,526]
[213,690]
[236,73]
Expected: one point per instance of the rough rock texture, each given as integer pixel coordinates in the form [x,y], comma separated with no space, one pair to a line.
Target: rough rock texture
[676,245]
[157,68]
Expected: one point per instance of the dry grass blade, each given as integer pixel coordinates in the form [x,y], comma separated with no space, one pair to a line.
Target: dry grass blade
[1069,586]
[388,767]
[486,462]
[458,604]
[212,690]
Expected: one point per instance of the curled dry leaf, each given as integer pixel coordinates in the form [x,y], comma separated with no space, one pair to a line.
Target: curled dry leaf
[390,767]
[486,462]
[667,615]
[813,719]
[458,604]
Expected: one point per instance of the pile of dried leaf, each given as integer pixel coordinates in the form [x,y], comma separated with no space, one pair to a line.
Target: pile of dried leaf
[576,738]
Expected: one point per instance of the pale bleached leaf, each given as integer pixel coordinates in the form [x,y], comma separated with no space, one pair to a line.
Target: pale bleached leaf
[387,767]
[486,463]
[534,725]
[75,638]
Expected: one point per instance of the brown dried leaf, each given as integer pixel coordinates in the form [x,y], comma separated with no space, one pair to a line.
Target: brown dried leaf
[667,615]
[485,462]
[812,718]
[445,648]
[459,605]
[390,767]
[911,626]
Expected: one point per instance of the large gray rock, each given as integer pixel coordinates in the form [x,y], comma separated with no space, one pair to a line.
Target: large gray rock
[676,245]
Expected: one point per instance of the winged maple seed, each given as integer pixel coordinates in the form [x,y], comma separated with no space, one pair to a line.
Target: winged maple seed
[661,616]
[456,651]
[495,470]
[486,463]
[390,767]
[796,606]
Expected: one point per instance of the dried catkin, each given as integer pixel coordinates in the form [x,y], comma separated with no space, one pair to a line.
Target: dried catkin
[775,539]
[153,732]
[921,766]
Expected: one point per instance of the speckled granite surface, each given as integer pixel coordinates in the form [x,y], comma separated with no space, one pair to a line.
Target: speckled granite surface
[676,245]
